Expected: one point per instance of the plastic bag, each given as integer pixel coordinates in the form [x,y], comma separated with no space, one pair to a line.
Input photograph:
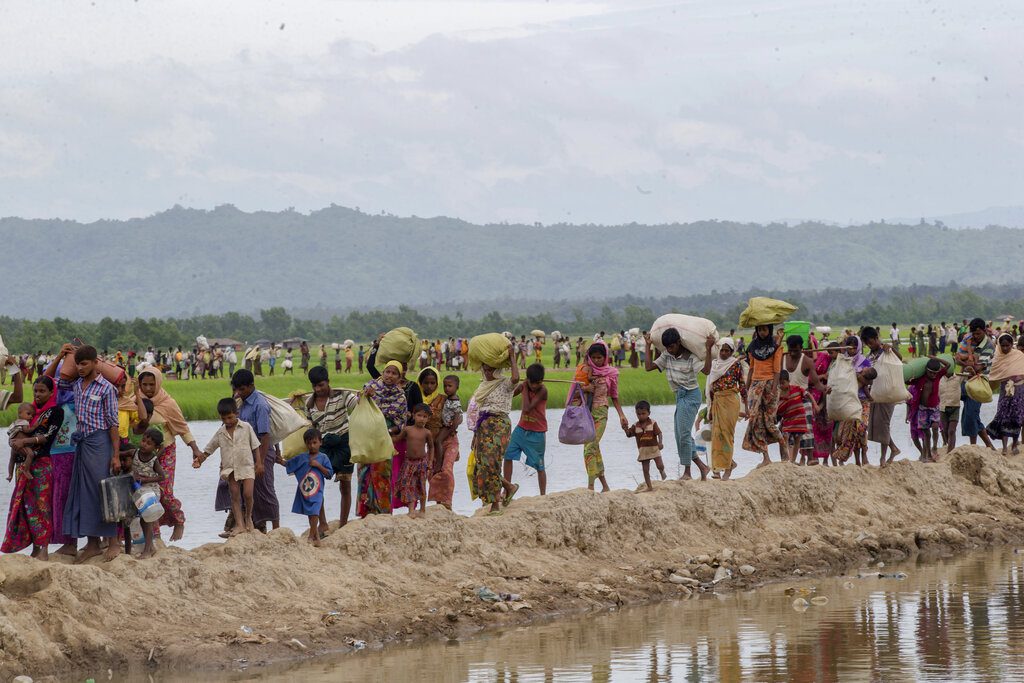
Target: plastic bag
[399,344]
[3,352]
[761,310]
[693,331]
[842,403]
[577,427]
[888,386]
[979,389]
[488,349]
[368,434]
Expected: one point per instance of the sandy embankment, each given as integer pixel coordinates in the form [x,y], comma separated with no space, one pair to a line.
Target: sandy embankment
[391,578]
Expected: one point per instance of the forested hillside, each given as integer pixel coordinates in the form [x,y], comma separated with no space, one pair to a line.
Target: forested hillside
[187,261]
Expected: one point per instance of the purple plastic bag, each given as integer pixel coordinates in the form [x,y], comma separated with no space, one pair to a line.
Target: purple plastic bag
[577,426]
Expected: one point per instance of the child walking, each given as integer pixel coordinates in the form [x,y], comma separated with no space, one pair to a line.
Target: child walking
[793,414]
[446,446]
[419,454]
[311,470]
[649,442]
[528,438]
[239,450]
[148,473]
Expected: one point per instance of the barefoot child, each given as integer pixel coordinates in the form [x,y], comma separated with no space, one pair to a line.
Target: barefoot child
[793,416]
[446,446]
[928,406]
[311,470]
[419,454]
[148,473]
[239,450]
[20,428]
[649,442]
[528,437]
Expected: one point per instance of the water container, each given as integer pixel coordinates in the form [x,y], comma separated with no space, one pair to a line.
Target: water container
[116,498]
[136,531]
[148,504]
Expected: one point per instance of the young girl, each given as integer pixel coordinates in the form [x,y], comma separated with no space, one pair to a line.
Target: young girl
[310,469]
[600,381]
[148,473]
[793,416]
[446,447]
[649,443]
[419,454]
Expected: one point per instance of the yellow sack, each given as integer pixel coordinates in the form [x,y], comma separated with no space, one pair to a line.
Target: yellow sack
[470,474]
[488,349]
[368,434]
[293,445]
[979,389]
[764,311]
[399,344]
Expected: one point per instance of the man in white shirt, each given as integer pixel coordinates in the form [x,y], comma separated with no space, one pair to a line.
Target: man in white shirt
[894,337]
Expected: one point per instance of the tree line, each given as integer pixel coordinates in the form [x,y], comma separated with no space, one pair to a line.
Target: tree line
[907,306]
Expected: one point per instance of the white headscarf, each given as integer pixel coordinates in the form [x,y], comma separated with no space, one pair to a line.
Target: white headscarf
[719,367]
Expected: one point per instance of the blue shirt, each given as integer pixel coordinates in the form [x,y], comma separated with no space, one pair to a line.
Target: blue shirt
[256,411]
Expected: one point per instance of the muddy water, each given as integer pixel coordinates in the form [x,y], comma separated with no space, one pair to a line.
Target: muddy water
[565,469]
[952,620]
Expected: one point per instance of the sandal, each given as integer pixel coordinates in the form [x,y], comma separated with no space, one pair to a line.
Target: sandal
[508,499]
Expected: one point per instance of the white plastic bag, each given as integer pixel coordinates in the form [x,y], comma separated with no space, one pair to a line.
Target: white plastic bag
[842,403]
[692,330]
[888,386]
[284,420]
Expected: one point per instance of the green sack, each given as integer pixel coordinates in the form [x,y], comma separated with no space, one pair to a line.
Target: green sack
[399,344]
[368,435]
[915,367]
[979,389]
[764,311]
[488,349]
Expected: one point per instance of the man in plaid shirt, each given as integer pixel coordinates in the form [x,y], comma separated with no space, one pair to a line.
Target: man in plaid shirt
[97,453]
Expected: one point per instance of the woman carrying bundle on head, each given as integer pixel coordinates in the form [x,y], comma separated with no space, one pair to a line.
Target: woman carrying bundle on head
[493,399]
[765,357]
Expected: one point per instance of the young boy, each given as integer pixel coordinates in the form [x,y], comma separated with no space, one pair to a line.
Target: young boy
[20,428]
[649,442]
[239,451]
[148,473]
[928,414]
[528,437]
[451,415]
[793,416]
[328,409]
[419,455]
[311,470]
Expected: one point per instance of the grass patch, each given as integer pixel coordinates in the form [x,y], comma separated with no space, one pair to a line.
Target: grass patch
[198,397]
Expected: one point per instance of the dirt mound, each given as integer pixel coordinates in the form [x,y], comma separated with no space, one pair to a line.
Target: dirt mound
[392,578]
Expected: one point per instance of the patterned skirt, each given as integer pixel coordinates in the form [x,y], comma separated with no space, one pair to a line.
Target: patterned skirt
[29,520]
[852,434]
[412,482]
[763,404]
[492,437]
[592,449]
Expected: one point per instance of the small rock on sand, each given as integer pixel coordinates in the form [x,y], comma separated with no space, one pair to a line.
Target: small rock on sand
[747,570]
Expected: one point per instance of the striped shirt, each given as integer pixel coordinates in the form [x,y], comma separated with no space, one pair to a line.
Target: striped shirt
[333,419]
[681,373]
[95,405]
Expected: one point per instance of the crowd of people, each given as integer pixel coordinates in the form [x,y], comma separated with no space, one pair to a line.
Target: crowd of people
[80,427]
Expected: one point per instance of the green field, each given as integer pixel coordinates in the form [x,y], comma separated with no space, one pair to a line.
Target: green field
[198,397]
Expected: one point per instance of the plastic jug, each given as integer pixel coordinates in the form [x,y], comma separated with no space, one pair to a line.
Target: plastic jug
[136,531]
[148,503]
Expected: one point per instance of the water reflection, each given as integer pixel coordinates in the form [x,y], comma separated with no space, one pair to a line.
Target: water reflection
[959,620]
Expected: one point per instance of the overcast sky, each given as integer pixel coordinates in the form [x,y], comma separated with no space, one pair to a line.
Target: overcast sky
[522,111]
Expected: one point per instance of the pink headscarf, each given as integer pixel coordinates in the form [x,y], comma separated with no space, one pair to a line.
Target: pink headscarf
[609,372]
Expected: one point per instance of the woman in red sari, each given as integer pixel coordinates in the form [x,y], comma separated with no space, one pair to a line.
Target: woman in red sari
[29,520]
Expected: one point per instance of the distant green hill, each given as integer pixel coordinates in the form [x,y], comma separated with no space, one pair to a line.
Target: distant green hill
[194,261]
